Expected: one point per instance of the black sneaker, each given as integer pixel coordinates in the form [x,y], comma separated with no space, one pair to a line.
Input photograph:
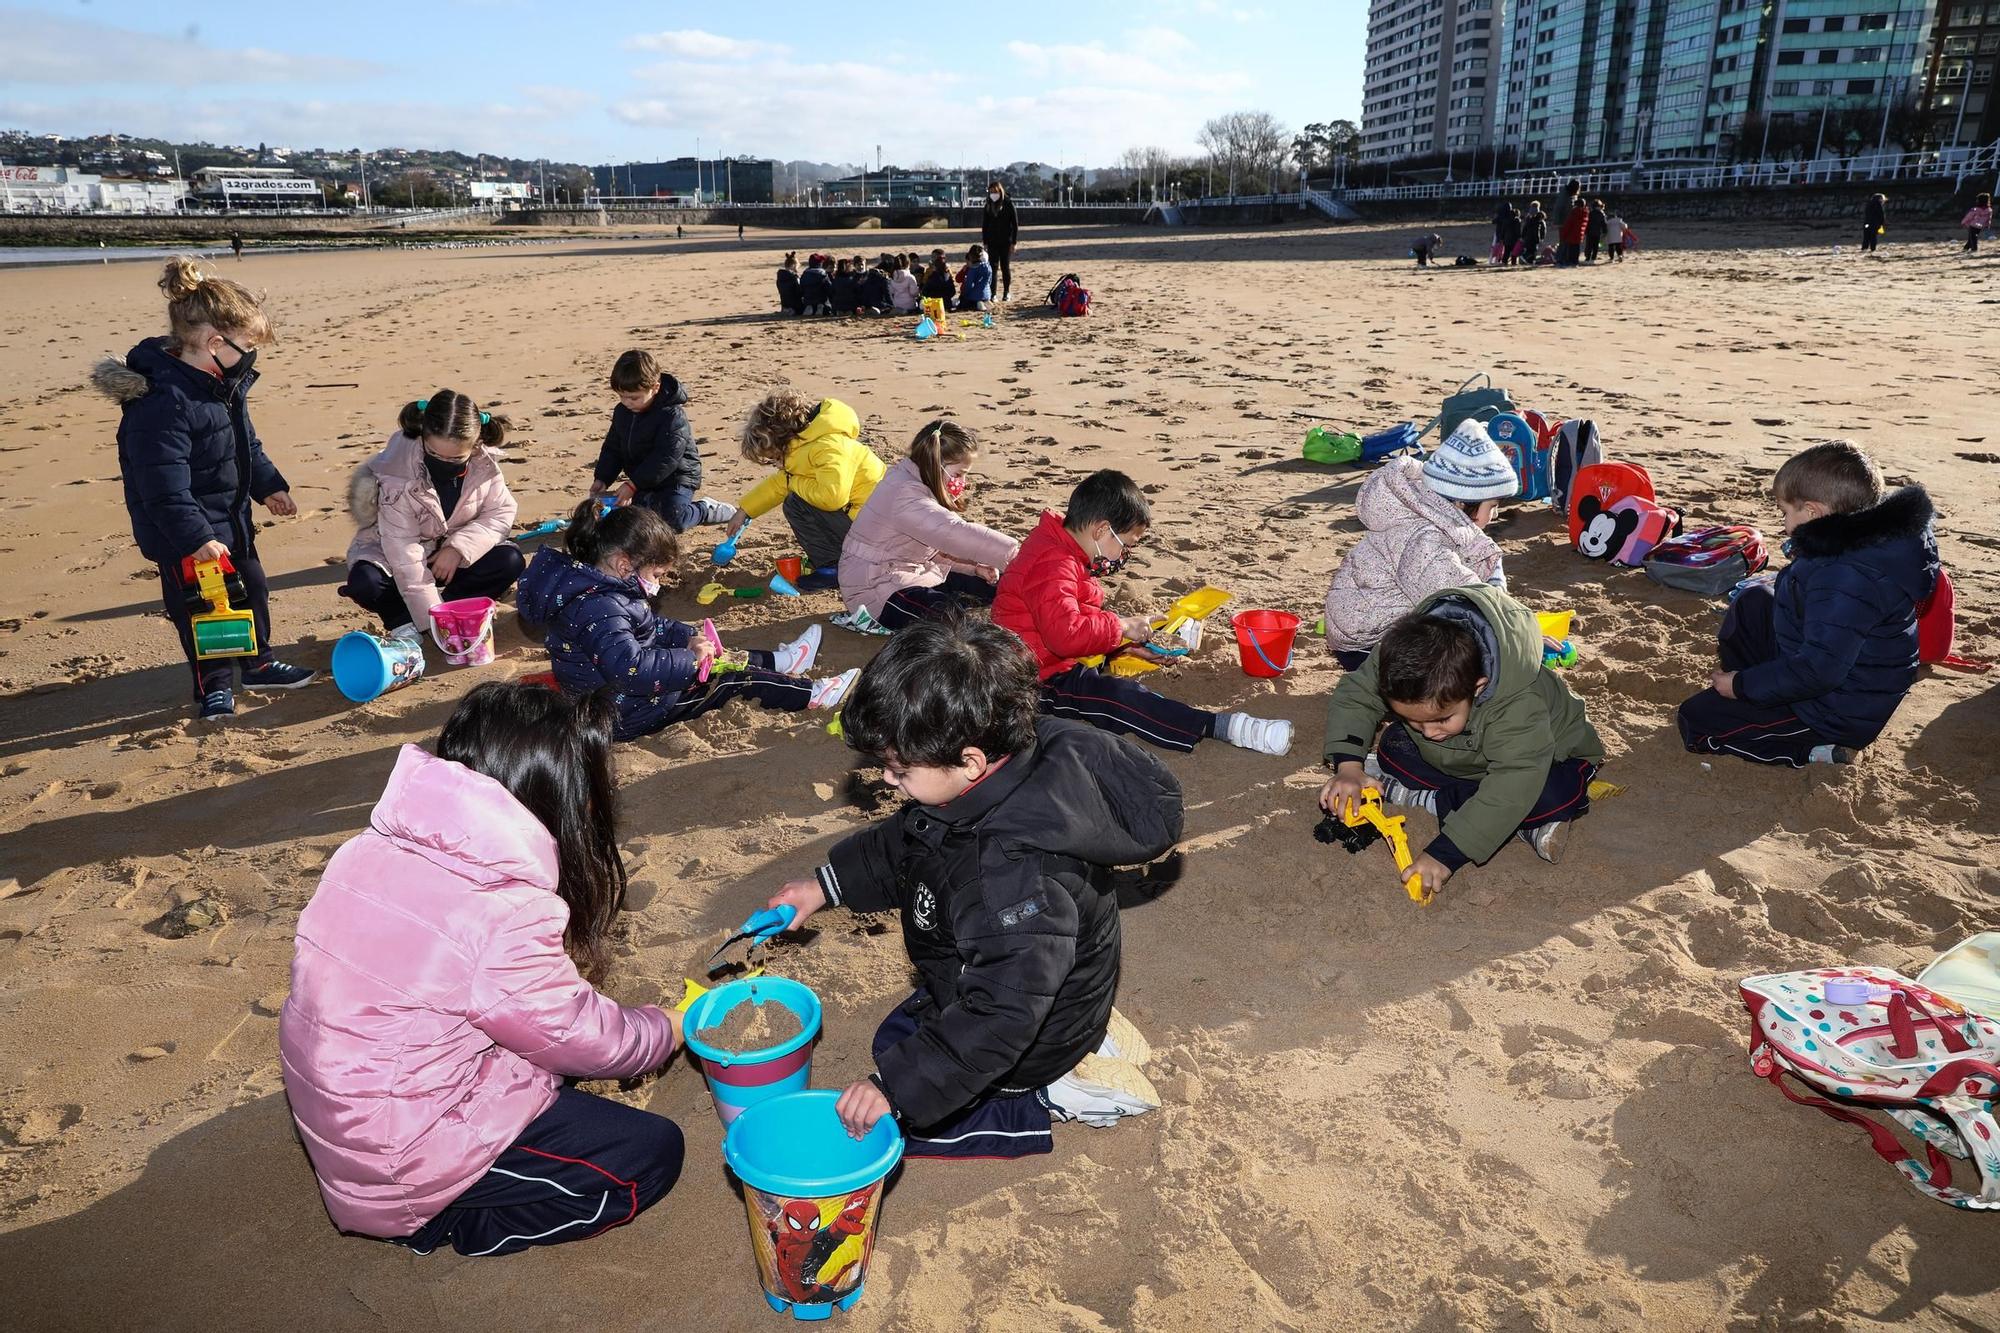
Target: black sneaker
[276,675]
[216,705]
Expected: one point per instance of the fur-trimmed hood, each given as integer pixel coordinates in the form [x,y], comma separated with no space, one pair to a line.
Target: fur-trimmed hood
[1901,515]
[118,381]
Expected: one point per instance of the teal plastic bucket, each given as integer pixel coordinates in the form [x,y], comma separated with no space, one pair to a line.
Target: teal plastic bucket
[365,667]
[739,1079]
[813,1195]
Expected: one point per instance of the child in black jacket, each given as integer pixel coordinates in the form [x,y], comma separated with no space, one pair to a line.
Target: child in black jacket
[789,300]
[1000,867]
[652,446]
[815,288]
[846,288]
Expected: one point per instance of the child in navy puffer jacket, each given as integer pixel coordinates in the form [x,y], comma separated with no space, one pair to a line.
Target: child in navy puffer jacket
[603,634]
[1814,666]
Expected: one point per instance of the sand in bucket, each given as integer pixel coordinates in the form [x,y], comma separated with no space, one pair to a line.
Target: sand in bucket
[464,630]
[740,1079]
[813,1195]
[365,667]
[1264,641]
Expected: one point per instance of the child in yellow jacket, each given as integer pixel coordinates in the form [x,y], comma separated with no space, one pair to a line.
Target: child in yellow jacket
[825,474]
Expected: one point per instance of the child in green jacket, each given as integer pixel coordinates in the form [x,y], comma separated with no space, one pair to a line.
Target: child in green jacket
[1481,734]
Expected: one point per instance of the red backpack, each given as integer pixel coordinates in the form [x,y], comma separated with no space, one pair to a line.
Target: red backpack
[1937,626]
[1069,296]
[1608,483]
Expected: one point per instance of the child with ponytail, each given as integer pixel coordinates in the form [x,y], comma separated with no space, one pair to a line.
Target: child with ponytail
[433,515]
[192,464]
[911,552]
[595,598]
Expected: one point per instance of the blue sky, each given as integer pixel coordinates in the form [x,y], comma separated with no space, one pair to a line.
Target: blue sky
[1075,82]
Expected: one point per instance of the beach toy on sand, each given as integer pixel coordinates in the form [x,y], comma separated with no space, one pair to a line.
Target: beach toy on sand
[221,630]
[708,632]
[1555,626]
[783,586]
[365,667]
[740,1079]
[725,550]
[548,527]
[813,1195]
[464,630]
[791,567]
[1183,619]
[925,329]
[1360,825]
[1264,641]
[761,928]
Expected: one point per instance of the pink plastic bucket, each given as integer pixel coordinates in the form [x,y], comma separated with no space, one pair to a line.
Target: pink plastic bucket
[464,630]
[1264,641]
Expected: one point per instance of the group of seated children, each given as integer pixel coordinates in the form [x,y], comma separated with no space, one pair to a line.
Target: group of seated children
[894,284]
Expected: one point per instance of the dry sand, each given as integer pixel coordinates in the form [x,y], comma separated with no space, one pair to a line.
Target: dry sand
[1525,1107]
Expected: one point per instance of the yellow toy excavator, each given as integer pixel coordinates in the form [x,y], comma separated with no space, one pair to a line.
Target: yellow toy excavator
[221,630]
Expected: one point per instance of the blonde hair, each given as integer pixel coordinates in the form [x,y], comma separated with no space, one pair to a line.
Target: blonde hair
[774,423]
[942,441]
[196,301]
[446,415]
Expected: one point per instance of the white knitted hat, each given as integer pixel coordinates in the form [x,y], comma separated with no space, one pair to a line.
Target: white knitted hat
[1469,466]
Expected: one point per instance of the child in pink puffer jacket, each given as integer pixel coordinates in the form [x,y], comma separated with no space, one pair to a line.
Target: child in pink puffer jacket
[1426,531]
[436,1010]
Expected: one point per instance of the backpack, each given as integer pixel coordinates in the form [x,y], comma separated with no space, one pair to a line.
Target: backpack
[1469,402]
[1521,443]
[1866,1038]
[1069,296]
[1383,443]
[1626,530]
[1331,448]
[1710,562]
[1574,446]
[1937,626]
[1609,482]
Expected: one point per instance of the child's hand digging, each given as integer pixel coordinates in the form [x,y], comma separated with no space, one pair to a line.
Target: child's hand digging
[1136,629]
[860,1106]
[1342,792]
[803,896]
[1433,871]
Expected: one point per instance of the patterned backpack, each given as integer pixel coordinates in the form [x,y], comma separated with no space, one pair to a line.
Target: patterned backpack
[1574,446]
[1522,445]
[1626,531]
[1069,296]
[1710,562]
[1866,1038]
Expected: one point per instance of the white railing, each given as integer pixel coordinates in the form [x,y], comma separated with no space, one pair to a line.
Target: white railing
[1957,165]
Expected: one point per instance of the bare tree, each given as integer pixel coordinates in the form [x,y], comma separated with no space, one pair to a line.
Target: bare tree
[1249,149]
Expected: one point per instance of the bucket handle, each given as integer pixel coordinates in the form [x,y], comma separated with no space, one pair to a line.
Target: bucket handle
[1258,648]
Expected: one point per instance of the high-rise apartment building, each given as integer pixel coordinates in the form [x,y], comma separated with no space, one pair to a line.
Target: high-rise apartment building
[1578,81]
[1963,66]
[1428,83]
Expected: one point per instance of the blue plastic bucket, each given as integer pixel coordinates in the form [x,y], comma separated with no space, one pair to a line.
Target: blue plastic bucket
[813,1194]
[365,667]
[739,1079]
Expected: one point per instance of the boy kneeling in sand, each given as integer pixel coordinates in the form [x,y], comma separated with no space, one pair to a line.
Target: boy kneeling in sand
[1000,866]
[1482,734]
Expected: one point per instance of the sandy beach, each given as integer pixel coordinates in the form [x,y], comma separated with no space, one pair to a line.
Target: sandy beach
[1525,1107]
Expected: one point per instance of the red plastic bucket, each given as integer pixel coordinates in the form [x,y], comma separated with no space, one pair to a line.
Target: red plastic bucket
[1264,641]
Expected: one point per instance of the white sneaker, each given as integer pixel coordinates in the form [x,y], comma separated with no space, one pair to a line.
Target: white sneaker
[797,657]
[860,622]
[714,512]
[828,693]
[1266,735]
[1101,1091]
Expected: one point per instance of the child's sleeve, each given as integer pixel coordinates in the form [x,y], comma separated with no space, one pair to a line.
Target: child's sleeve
[1518,748]
[828,481]
[608,465]
[1353,712]
[408,560]
[485,529]
[631,667]
[663,461]
[1068,627]
[861,871]
[1014,965]
[160,475]
[1837,622]
[960,540]
[766,495]
[528,997]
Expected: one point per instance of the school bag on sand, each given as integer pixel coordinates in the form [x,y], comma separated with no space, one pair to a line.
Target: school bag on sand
[1626,531]
[1522,445]
[1937,626]
[1866,1038]
[1573,446]
[1402,436]
[1609,482]
[1069,296]
[1480,403]
[1710,561]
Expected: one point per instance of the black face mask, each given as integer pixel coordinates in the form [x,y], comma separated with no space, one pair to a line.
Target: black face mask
[234,375]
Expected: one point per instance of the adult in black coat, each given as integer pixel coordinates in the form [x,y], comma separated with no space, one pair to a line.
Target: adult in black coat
[1874,218]
[999,229]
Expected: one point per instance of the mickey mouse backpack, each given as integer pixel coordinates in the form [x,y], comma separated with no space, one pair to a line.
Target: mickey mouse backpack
[1626,531]
[1609,483]
[1866,1038]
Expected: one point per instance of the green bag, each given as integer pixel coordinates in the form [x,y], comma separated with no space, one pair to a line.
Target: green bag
[1321,447]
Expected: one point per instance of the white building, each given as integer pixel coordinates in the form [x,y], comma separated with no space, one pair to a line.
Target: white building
[65,190]
[1429,81]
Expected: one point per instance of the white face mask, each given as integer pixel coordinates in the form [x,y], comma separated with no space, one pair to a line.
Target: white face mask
[648,586]
[994,195]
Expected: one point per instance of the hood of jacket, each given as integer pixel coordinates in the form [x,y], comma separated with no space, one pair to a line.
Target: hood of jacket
[834,418]
[465,822]
[555,579]
[151,363]
[1903,515]
[1396,496]
[1510,639]
[402,460]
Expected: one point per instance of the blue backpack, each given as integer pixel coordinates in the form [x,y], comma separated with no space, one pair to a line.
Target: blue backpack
[1383,443]
[1524,449]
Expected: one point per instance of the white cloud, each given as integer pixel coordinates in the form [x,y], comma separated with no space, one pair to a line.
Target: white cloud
[48,49]
[694,44]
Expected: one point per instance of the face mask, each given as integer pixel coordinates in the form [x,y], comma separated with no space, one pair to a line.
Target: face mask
[648,586]
[954,486]
[1102,565]
[243,366]
[994,195]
